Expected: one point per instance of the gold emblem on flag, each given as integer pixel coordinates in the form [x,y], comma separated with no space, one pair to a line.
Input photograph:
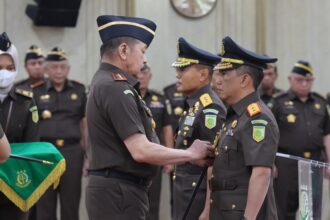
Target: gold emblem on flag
[22,179]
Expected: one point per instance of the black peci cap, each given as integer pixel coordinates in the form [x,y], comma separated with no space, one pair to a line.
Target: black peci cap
[233,56]
[188,54]
[111,26]
[34,52]
[303,68]
[56,54]
[4,42]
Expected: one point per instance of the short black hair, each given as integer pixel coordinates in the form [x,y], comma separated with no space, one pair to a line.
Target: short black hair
[209,69]
[255,73]
[111,45]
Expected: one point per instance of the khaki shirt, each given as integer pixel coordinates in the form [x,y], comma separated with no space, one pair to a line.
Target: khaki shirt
[302,124]
[115,111]
[248,138]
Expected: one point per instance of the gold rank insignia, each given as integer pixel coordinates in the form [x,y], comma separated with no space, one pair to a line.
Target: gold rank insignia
[210,121]
[307,154]
[253,109]
[44,97]
[178,110]
[46,114]
[118,77]
[258,133]
[35,116]
[291,118]
[234,124]
[317,106]
[153,124]
[196,107]
[154,98]
[74,96]
[206,99]
[288,103]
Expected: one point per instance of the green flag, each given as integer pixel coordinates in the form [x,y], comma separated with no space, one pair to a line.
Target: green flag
[24,182]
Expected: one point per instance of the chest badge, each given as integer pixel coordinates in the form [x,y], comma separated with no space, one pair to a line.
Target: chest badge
[46,114]
[178,110]
[234,124]
[45,97]
[196,107]
[258,133]
[74,96]
[291,118]
[317,106]
[288,103]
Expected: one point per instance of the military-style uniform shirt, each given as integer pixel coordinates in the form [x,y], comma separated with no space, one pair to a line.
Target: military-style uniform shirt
[202,118]
[61,112]
[30,83]
[115,111]
[249,138]
[157,104]
[19,116]
[175,103]
[267,98]
[302,124]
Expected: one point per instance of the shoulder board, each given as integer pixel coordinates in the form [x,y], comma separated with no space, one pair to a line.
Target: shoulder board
[206,99]
[172,86]
[318,95]
[24,92]
[155,92]
[253,109]
[279,94]
[37,84]
[20,82]
[118,77]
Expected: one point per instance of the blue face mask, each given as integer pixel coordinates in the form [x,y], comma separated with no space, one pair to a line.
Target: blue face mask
[7,78]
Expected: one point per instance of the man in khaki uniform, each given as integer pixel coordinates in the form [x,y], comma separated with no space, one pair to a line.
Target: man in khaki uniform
[241,184]
[124,151]
[202,118]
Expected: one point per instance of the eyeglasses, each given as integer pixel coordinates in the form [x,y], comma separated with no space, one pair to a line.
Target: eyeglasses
[302,80]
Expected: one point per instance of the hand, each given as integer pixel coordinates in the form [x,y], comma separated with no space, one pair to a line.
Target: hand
[327,173]
[206,162]
[169,168]
[201,150]
[205,215]
[85,167]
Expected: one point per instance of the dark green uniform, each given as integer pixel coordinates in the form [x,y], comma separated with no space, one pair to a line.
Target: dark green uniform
[60,116]
[176,101]
[267,98]
[29,83]
[202,119]
[248,138]
[19,118]
[302,128]
[118,185]
[156,102]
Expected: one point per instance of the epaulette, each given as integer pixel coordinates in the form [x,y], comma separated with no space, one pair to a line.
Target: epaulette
[318,95]
[279,94]
[158,93]
[20,82]
[253,109]
[206,99]
[24,92]
[37,84]
[172,86]
[118,77]
[77,82]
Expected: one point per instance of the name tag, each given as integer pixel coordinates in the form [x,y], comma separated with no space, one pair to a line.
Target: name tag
[189,120]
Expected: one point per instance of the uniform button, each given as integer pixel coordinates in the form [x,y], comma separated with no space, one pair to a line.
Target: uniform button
[216,153]
[193,184]
[226,148]
[212,176]
[185,142]
[233,206]
[173,177]
[211,201]
[224,129]
[186,128]
[184,133]
[179,132]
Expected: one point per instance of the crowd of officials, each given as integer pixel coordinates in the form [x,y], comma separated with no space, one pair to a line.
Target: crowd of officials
[223,117]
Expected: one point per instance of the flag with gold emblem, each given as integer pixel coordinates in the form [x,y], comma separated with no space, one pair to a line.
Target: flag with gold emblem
[24,182]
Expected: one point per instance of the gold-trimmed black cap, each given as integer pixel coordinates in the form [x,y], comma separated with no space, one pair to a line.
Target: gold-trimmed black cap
[34,52]
[233,56]
[5,43]
[188,54]
[303,68]
[56,54]
[111,26]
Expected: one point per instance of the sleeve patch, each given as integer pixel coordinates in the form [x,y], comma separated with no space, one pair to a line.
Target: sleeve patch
[253,109]
[210,121]
[258,133]
[259,121]
[128,91]
[206,99]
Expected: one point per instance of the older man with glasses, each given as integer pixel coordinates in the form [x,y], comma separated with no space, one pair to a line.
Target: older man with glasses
[304,123]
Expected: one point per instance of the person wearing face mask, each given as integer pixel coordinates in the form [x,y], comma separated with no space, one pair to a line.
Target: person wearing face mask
[34,65]
[18,114]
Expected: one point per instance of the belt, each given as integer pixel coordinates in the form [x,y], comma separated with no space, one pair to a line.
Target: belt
[60,142]
[109,173]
